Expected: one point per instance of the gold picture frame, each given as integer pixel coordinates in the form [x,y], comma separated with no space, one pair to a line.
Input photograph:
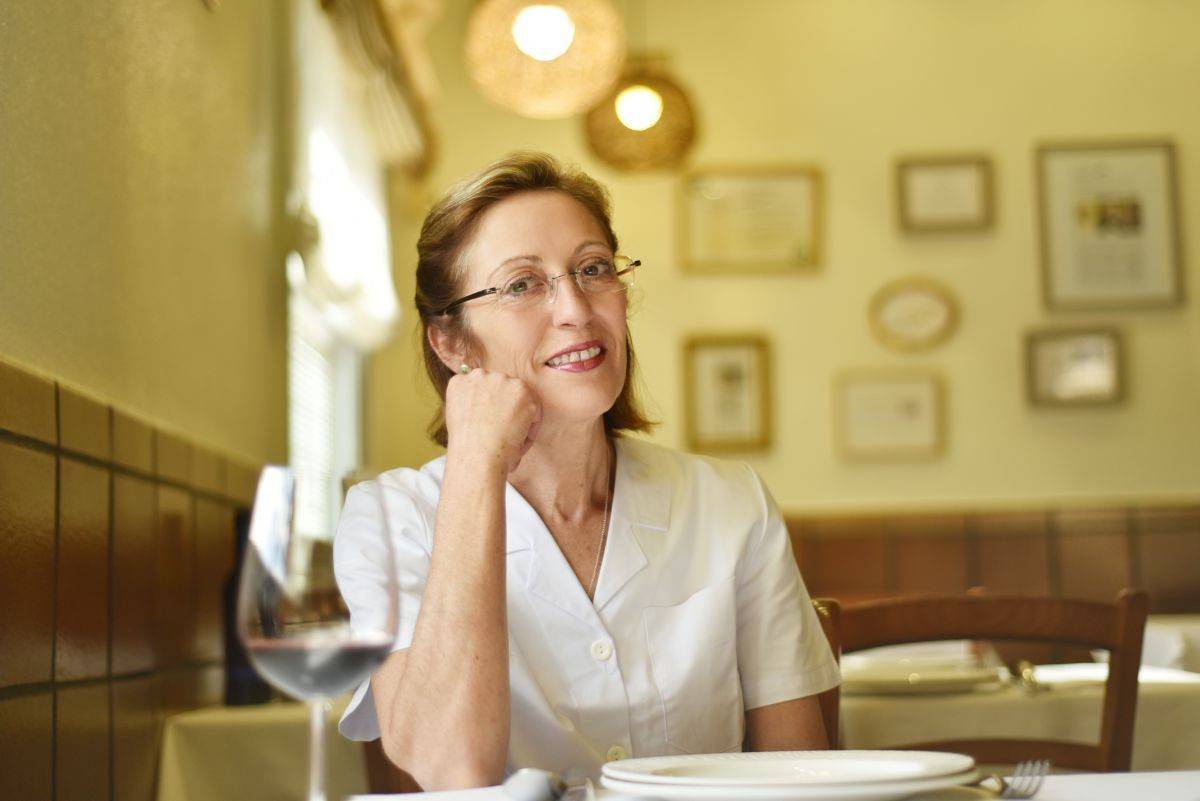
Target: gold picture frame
[1074,366]
[912,314]
[944,193]
[1108,224]
[727,392]
[766,219]
[884,414]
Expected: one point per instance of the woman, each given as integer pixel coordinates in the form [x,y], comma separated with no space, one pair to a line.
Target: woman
[569,596]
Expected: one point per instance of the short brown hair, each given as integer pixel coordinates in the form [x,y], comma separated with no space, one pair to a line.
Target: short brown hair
[450,224]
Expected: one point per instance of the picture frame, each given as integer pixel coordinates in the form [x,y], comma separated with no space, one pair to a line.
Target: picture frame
[889,415]
[727,392]
[751,219]
[1074,367]
[1109,226]
[912,314]
[945,193]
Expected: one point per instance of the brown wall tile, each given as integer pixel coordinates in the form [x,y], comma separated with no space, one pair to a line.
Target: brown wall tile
[208,471]
[26,565]
[132,442]
[81,743]
[1168,547]
[82,640]
[133,558]
[173,457]
[1011,553]
[928,553]
[135,738]
[214,561]
[174,577]
[84,425]
[1093,553]
[241,480]
[845,567]
[27,747]
[27,404]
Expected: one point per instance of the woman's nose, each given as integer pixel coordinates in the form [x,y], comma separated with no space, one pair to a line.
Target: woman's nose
[568,301]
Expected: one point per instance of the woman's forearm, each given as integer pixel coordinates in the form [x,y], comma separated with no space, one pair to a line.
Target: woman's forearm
[449,717]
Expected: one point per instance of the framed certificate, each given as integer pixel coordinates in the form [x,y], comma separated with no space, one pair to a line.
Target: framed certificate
[1074,367]
[888,415]
[727,392]
[746,220]
[1109,226]
[944,193]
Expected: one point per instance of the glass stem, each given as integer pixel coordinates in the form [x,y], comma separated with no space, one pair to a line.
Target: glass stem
[316,753]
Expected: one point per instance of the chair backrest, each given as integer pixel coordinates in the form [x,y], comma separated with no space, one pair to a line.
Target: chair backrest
[1116,627]
[829,613]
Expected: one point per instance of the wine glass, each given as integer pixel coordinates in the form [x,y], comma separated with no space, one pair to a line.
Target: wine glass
[291,617]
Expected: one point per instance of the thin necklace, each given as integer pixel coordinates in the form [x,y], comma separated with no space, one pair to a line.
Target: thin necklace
[603,530]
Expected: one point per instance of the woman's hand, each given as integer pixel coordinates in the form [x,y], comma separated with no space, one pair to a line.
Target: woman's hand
[491,415]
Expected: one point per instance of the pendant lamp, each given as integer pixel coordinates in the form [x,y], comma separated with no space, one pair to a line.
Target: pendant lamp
[646,120]
[545,59]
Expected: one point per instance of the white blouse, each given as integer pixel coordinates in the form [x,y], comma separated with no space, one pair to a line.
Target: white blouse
[699,611]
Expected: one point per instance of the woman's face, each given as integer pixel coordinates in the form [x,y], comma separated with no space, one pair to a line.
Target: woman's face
[550,233]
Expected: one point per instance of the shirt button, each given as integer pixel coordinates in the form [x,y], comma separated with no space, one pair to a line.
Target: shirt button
[615,753]
[602,650]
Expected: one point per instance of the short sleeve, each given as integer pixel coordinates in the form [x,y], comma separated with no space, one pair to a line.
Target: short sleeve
[359,564]
[782,651]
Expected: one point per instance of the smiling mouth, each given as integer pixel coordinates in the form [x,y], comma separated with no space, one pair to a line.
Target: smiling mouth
[575,357]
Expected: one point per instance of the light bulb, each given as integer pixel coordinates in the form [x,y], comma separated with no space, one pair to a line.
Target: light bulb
[543,32]
[639,107]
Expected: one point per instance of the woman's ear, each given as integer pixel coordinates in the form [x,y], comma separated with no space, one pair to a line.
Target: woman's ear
[446,346]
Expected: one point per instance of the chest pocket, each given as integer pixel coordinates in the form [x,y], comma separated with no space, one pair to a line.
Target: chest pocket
[693,659]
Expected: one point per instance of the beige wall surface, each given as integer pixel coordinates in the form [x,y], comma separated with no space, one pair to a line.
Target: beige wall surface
[139,232]
[849,85]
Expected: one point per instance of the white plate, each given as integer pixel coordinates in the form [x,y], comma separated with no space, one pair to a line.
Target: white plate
[910,678]
[788,768]
[865,791]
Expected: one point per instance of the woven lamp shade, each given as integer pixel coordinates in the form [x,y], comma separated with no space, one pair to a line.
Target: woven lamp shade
[567,85]
[665,144]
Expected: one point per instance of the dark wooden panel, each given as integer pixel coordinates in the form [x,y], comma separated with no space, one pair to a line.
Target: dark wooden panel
[26,565]
[844,558]
[1093,553]
[208,471]
[27,404]
[132,574]
[1011,553]
[241,480]
[174,606]
[27,747]
[173,457]
[81,743]
[82,640]
[132,442]
[928,553]
[214,561]
[84,425]
[1169,554]
[135,739]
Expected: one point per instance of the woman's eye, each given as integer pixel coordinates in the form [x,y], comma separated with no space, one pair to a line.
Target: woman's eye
[518,287]
[597,269]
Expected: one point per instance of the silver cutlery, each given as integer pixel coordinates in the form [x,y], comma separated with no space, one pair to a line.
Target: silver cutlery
[1025,781]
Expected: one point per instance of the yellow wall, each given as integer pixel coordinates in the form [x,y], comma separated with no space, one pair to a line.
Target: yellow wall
[848,85]
[139,235]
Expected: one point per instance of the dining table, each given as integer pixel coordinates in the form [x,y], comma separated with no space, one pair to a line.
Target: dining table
[260,753]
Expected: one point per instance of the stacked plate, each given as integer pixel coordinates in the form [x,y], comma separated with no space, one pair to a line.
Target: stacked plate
[790,775]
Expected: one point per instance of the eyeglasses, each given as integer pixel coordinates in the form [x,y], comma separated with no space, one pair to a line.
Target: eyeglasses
[529,287]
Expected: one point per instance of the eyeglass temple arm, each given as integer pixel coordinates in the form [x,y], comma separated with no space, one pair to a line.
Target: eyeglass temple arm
[480,294]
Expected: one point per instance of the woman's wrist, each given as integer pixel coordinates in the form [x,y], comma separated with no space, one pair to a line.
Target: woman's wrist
[476,464]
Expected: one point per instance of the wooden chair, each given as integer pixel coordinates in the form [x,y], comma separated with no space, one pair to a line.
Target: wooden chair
[829,613]
[1117,627]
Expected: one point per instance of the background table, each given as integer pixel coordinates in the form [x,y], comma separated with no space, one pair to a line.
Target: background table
[255,753]
[1172,641]
[1166,731]
[261,753]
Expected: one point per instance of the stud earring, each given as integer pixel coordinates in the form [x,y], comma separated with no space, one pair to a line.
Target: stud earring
[464,368]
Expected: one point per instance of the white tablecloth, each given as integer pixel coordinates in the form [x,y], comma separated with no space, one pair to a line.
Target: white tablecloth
[1174,786]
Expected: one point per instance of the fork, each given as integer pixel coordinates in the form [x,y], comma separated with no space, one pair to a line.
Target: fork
[1025,781]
